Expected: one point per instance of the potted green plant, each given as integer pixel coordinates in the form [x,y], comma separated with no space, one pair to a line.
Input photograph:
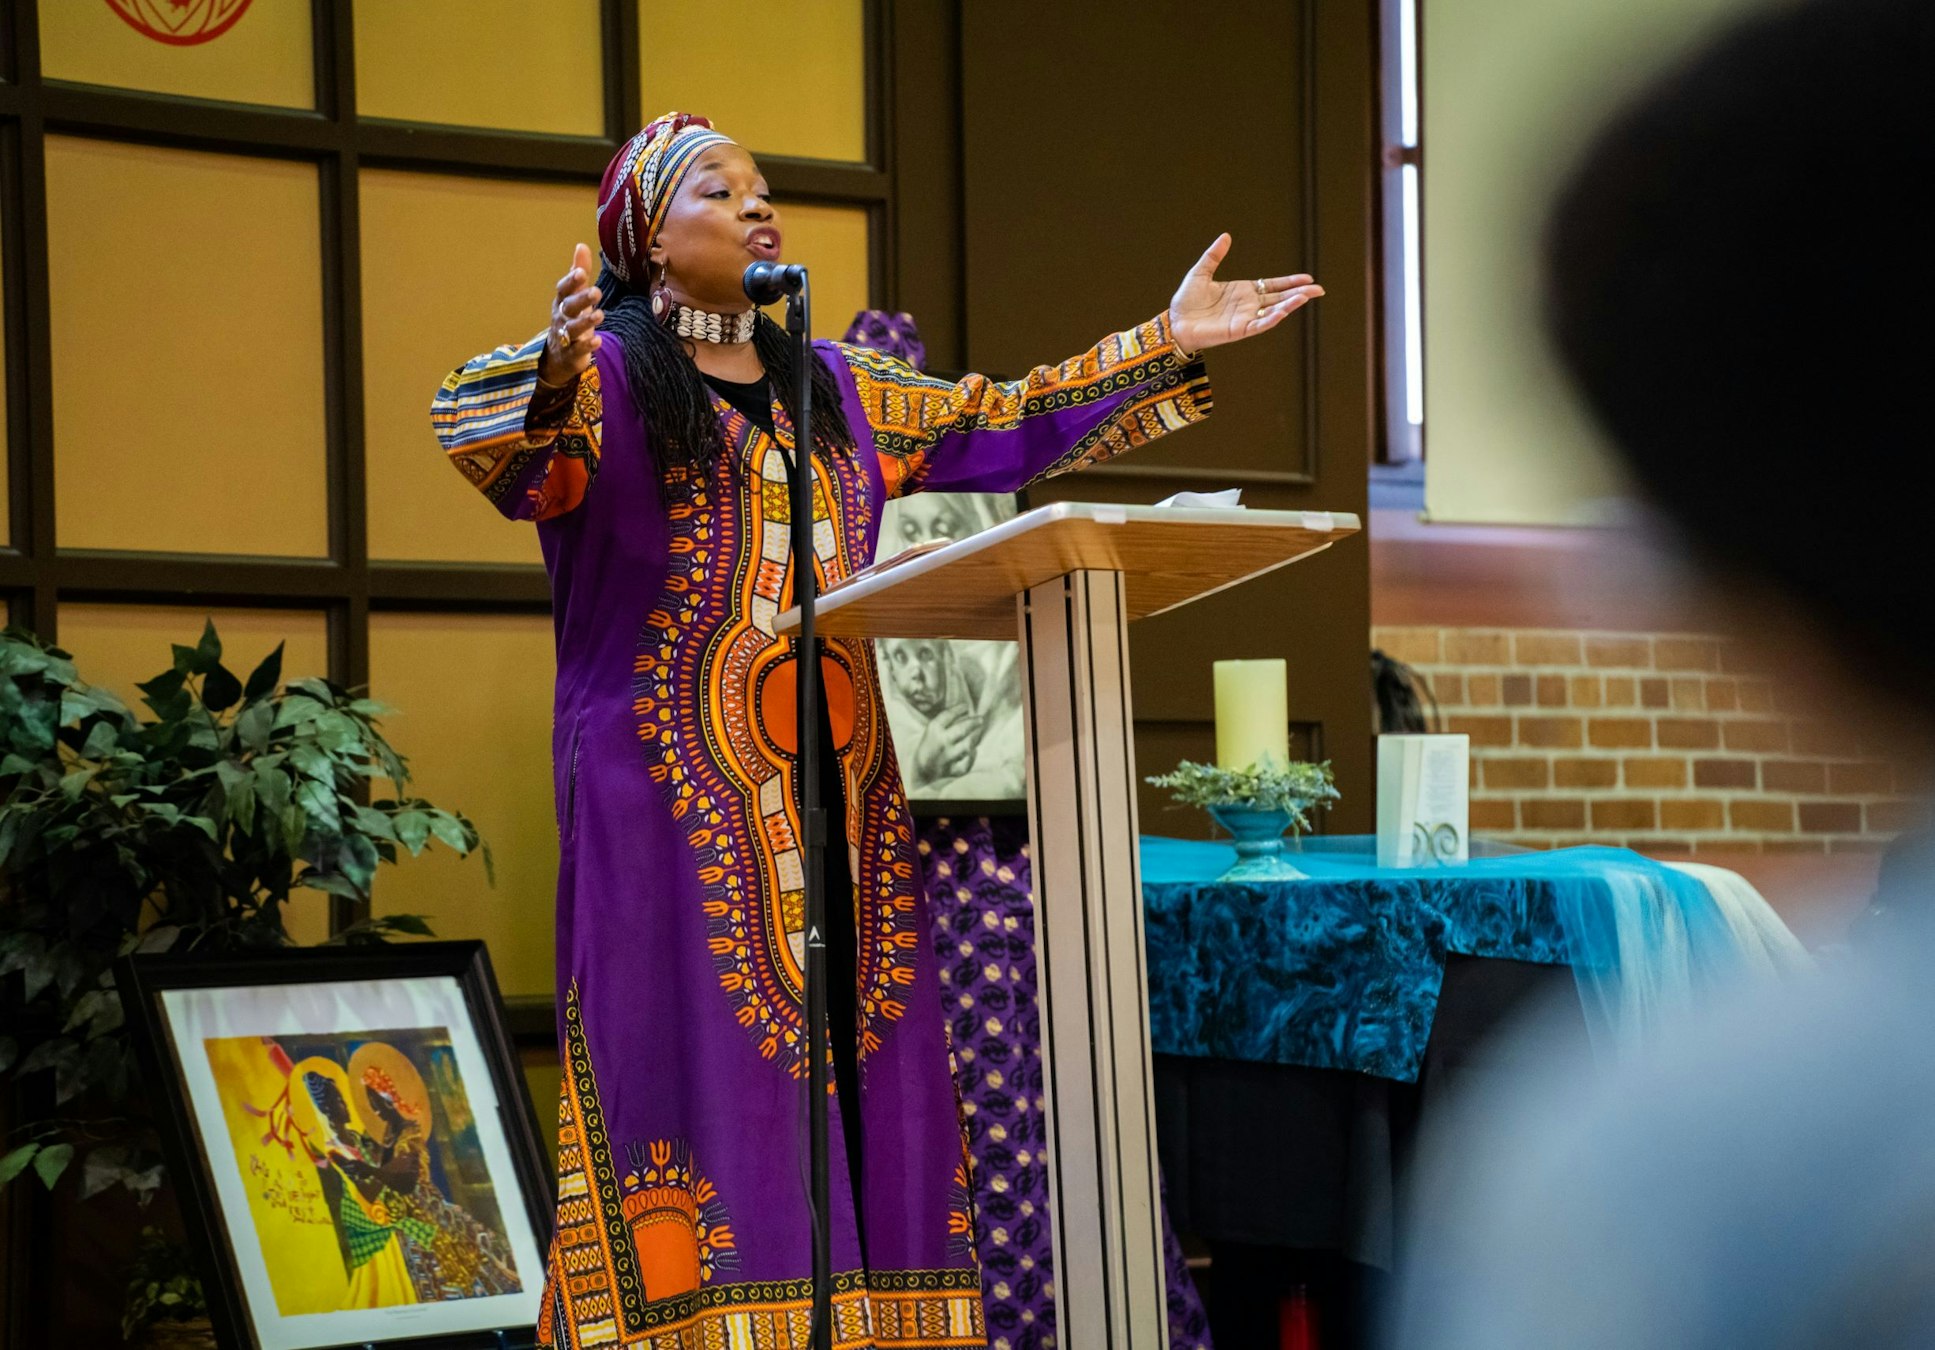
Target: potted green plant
[186,830]
[1257,805]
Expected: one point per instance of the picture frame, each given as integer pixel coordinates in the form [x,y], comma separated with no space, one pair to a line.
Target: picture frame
[356,1154]
[954,707]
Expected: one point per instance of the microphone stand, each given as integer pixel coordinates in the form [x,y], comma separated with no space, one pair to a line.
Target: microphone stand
[763,285]
[806,590]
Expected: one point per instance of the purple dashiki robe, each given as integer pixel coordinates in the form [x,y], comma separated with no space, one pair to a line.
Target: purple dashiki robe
[682,1195]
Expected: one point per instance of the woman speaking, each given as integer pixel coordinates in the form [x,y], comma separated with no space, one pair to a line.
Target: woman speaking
[648,431]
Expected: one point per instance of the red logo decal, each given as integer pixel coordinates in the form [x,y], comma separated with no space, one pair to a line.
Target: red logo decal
[180,23]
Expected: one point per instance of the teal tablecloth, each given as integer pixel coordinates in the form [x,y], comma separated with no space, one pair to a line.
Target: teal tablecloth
[1341,970]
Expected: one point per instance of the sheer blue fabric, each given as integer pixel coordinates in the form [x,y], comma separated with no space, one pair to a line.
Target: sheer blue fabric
[1342,969]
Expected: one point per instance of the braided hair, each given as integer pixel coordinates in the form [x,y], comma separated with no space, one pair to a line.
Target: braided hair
[672,396]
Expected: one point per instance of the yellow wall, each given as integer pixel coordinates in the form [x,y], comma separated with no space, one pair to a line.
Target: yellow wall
[832,242]
[451,267]
[720,60]
[264,57]
[496,63]
[473,694]
[118,645]
[187,350]
[1512,88]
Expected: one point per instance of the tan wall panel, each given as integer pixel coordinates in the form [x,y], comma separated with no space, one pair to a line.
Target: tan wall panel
[497,63]
[832,242]
[473,699]
[695,58]
[187,348]
[265,56]
[117,645]
[451,267]
[6,482]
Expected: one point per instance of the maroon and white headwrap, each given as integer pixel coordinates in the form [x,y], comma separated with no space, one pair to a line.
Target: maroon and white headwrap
[639,184]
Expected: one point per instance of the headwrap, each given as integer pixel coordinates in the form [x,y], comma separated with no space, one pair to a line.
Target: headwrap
[894,334]
[639,184]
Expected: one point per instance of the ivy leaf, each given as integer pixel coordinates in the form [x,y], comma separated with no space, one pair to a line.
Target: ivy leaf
[296,709]
[312,763]
[238,805]
[373,822]
[49,1163]
[333,884]
[159,938]
[16,1162]
[320,803]
[272,786]
[103,1167]
[452,832]
[72,784]
[100,1009]
[322,691]
[412,830]
[265,677]
[359,860]
[9,1049]
[255,724]
[220,689]
[102,737]
[166,694]
[415,924]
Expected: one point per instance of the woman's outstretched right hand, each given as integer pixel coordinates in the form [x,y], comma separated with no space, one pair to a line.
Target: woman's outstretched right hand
[575,316]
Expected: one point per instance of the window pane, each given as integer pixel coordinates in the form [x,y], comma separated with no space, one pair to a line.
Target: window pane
[483,63]
[473,697]
[1413,304]
[1408,71]
[451,267]
[810,104]
[187,348]
[117,645]
[221,49]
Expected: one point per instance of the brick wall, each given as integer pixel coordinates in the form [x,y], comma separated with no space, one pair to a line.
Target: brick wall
[1664,742]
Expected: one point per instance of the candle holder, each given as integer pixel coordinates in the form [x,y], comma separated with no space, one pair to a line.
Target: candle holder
[1257,806]
[1258,833]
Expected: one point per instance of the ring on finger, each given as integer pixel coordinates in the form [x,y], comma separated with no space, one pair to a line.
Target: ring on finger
[1260,287]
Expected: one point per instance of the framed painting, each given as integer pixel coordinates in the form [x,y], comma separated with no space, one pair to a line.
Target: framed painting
[352,1143]
[954,707]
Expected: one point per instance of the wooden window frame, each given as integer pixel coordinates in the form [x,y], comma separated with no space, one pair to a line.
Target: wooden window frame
[37,575]
[1401,314]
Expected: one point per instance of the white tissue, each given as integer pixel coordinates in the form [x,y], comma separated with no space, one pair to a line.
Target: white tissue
[1228,497]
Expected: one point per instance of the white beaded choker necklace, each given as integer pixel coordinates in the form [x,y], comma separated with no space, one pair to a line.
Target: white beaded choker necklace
[705,326]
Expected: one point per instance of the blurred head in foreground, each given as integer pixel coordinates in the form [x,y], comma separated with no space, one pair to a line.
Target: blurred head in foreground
[1736,280]
[1738,284]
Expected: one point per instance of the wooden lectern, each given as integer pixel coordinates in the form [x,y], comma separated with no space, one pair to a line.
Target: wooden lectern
[1066,580]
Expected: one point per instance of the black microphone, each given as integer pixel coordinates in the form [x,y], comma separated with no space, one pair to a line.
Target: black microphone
[766,282]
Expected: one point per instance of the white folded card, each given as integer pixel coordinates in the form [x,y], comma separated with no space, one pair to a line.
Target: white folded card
[1423,800]
[1231,497]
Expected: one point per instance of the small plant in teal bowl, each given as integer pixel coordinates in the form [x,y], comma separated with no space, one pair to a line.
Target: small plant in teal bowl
[1257,806]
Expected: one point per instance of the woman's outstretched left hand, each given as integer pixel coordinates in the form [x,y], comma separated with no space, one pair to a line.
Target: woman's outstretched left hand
[1208,313]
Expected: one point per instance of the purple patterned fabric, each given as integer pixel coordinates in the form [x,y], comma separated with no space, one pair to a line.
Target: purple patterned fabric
[894,334]
[979,898]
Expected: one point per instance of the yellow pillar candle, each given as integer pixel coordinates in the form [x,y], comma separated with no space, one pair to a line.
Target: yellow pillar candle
[1252,713]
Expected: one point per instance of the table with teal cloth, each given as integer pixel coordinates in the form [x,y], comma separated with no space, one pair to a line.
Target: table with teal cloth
[1340,969]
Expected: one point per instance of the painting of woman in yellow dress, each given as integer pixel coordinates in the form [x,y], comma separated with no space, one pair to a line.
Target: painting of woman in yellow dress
[358,1151]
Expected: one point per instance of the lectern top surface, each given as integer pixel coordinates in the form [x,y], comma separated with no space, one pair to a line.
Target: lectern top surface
[1168,556]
